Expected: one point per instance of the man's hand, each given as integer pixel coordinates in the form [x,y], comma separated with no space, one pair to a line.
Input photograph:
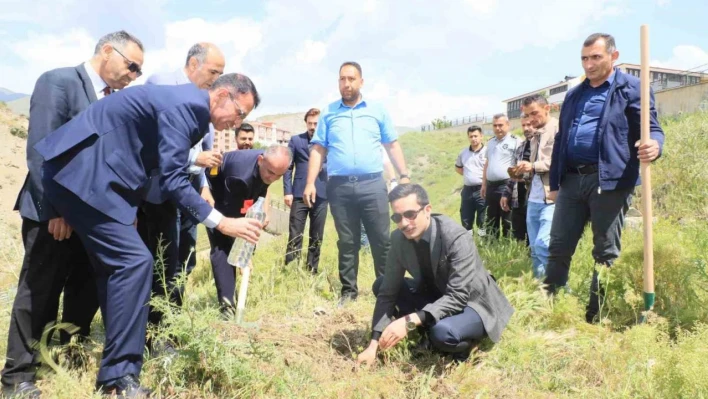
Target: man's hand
[523,167]
[504,204]
[288,199]
[553,195]
[309,195]
[59,229]
[395,332]
[209,159]
[647,152]
[368,356]
[206,194]
[247,228]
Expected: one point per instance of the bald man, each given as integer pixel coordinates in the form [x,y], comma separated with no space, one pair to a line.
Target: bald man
[160,222]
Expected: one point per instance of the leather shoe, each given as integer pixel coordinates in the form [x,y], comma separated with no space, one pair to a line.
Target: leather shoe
[124,387]
[24,390]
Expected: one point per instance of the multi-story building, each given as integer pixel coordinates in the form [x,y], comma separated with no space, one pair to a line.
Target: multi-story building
[266,133]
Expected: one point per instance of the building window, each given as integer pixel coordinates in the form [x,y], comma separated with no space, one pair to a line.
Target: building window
[559,89]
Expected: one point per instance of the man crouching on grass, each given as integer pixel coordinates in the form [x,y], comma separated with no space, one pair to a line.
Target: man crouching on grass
[450,295]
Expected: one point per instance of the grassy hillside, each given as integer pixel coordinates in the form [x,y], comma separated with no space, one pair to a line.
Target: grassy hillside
[302,346]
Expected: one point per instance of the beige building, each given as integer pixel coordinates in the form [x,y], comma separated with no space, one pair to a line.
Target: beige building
[266,133]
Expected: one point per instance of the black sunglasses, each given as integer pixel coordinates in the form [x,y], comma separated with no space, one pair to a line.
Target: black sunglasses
[132,65]
[410,215]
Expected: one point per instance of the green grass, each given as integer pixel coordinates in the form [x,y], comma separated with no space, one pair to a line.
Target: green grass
[546,351]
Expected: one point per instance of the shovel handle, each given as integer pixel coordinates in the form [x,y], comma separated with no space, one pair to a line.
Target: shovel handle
[242,292]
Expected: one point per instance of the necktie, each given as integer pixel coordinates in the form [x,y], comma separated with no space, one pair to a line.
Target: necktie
[106,91]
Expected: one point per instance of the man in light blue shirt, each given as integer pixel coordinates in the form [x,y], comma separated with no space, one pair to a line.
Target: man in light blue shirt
[350,132]
[160,222]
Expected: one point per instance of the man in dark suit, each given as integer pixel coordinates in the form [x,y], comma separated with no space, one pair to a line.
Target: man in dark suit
[451,295]
[244,176]
[293,189]
[54,258]
[95,171]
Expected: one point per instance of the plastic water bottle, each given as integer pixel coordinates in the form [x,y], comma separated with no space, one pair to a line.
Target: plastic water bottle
[242,250]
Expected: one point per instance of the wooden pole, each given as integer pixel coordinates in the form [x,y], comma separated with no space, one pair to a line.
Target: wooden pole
[242,293]
[646,173]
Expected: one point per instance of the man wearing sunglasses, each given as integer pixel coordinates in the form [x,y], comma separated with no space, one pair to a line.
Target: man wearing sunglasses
[55,259]
[451,297]
[160,222]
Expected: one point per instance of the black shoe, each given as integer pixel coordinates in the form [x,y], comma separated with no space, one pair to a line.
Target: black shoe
[124,387]
[22,390]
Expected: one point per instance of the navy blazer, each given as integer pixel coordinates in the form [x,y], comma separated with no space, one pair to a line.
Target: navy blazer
[238,183]
[300,147]
[58,96]
[105,154]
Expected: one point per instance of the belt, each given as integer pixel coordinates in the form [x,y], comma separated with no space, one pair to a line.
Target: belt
[582,169]
[475,187]
[497,183]
[356,178]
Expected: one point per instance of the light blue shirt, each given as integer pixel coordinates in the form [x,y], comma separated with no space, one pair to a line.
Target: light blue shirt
[353,137]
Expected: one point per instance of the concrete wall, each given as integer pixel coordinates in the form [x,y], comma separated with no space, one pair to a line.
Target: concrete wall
[685,99]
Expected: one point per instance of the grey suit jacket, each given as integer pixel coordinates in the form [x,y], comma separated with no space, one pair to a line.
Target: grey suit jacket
[58,96]
[459,275]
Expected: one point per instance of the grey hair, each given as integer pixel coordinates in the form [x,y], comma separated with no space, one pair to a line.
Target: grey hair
[117,39]
[199,52]
[277,149]
[237,84]
[499,116]
[609,41]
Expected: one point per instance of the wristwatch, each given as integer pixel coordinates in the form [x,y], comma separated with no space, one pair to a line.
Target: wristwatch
[404,176]
[410,324]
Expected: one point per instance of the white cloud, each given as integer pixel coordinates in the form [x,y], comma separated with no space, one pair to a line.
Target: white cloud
[312,52]
[685,57]
[663,3]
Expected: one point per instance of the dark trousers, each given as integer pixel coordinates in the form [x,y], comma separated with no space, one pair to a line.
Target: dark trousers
[352,203]
[123,268]
[577,203]
[299,212]
[453,334]
[518,215]
[473,208]
[224,273]
[48,267]
[171,240]
[495,214]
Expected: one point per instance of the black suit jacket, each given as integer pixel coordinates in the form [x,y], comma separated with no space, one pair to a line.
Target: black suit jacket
[459,275]
[58,96]
[238,183]
[301,157]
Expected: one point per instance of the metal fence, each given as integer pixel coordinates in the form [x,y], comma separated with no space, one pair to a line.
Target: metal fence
[465,120]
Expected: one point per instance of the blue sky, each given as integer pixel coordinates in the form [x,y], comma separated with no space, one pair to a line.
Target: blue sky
[422,59]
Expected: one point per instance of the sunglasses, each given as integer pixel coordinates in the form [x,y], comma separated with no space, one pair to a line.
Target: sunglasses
[410,215]
[132,65]
[241,115]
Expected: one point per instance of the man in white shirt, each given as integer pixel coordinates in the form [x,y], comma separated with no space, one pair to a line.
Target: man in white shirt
[470,164]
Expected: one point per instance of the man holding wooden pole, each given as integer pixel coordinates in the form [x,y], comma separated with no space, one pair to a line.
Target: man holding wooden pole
[595,163]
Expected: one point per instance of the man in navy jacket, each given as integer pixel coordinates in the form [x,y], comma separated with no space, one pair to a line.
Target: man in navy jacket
[95,172]
[293,189]
[595,163]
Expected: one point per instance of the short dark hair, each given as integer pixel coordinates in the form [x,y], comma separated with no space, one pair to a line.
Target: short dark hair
[245,127]
[609,41]
[499,116]
[534,98]
[354,64]
[474,128]
[404,190]
[311,112]
[117,39]
[238,84]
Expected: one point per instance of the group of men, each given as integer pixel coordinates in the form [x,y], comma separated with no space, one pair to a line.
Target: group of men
[116,182]
[566,173]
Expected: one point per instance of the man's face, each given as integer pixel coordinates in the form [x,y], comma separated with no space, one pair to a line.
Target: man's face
[204,75]
[597,62]
[526,127]
[116,72]
[537,114]
[501,127]
[311,125]
[228,111]
[475,138]
[244,140]
[413,228]
[350,82]
[271,168]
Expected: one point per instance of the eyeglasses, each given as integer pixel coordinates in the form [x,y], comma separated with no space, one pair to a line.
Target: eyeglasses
[241,115]
[132,65]
[410,215]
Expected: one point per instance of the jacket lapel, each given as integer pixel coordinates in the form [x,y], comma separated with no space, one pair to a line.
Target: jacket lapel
[435,246]
[88,86]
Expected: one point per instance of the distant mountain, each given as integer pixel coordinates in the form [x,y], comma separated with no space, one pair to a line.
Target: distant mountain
[9,95]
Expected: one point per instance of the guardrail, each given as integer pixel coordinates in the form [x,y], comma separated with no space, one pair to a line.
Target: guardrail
[447,123]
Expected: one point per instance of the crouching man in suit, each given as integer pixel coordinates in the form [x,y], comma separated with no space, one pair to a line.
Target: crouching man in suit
[451,295]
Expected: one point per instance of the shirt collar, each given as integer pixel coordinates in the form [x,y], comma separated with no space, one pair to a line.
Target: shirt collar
[610,80]
[96,81]
[480,149]
[425,238]
[362,102]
